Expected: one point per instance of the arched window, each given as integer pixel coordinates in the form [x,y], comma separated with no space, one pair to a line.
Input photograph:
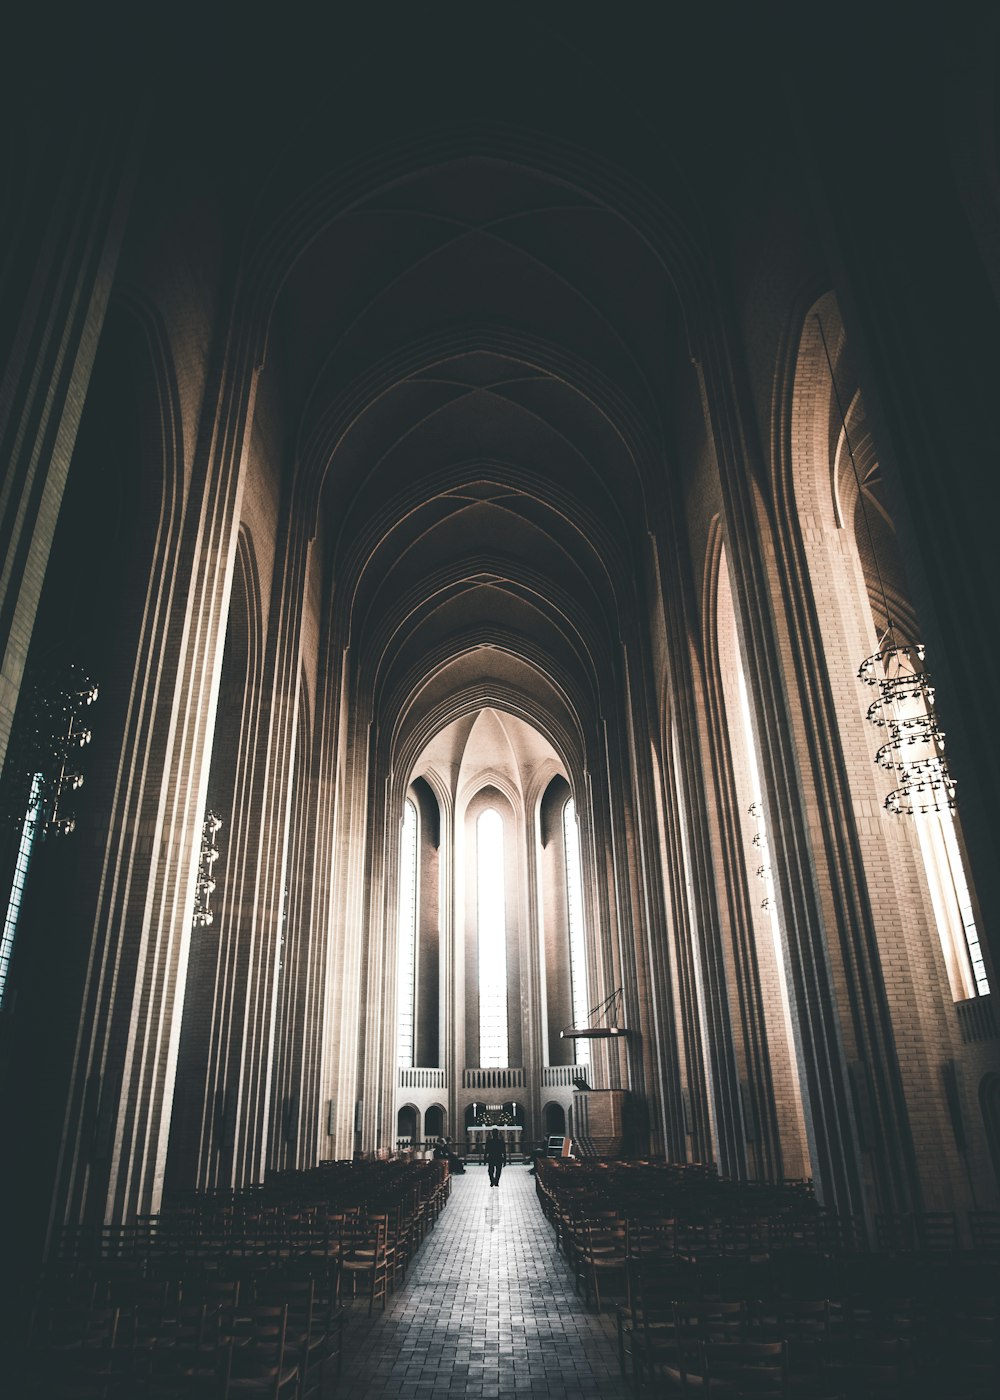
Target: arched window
[861,503]
[868,620]
[776,1102]
[577,948]
[952,902]
[29,830]
[492,925]
[407,935]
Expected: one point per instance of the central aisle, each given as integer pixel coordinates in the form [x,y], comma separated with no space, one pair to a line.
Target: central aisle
[488,1309]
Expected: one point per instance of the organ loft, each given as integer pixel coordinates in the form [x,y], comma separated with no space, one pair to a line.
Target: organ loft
[498,601]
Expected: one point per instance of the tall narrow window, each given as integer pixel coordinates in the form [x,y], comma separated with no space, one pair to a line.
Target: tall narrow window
[687,865]
[407,935]
[29,830]
[952,905]
[492,921]
[577,949]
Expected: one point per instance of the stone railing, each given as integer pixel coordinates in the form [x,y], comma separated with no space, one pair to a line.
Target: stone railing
[493,1079]
[976,1019]
[553,1077]
[422,1078]
[561,1076]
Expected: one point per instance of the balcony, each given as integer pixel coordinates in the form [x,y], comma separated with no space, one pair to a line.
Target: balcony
[552,1077]
[422,1078]
[561,1076]
[493,1079]
[976,1019]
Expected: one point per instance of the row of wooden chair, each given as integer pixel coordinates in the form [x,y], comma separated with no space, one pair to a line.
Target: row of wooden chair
[275,1347]
[716,1297]
[807,1347]
[695,1213]
[224,1297]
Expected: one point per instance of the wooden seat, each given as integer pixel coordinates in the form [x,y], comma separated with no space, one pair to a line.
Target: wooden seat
[600,1252]
[645,1321]
[75,1355]
[259,1364]
[313,1330]
[363,1262]
[984,1228]
[872,1369]
[746,1369]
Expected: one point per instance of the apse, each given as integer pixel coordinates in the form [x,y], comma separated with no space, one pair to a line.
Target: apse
[496,929]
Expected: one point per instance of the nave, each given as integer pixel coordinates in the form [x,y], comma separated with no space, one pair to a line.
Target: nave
[492,608]
[488,1309]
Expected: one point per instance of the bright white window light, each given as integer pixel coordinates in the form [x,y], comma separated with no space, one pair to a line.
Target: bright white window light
[577,949]
[29,830]
[952,903]
[407,937]
[963,901]
[493,1048]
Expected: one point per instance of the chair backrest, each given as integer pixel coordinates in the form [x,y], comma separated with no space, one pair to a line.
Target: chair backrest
[984,1227]
[213,1292]
[758,1369]
[262,1329]
[73,1327]
[360,1237]
[936,1231]
[800,1319]
[656,1284]
[298,1294]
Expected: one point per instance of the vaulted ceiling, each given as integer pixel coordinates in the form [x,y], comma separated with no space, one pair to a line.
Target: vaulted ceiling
[476,358]
[477,293]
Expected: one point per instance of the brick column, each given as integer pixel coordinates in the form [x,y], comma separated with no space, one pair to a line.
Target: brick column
[117,1116]
[62,236]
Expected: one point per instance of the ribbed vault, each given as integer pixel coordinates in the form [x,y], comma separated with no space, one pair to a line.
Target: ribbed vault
[484,489]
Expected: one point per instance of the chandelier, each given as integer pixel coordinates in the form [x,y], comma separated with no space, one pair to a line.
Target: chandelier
[67,735]
[45,757]
[204,887]
[913,751]
[759,842]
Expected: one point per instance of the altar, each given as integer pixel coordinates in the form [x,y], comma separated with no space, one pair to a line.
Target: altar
[509,1132]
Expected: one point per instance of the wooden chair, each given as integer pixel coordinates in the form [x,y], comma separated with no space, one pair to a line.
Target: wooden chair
[645,1321]
[746,1369]
[984,1229]
[599,1252]
[258,1364]
[936,1232]
[75,1355]
[187,1369]
[363,1262]
[314,1325]
[871,1369]
[396,1242]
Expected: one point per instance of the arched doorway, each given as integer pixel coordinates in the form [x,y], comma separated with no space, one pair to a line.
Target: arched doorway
[554,1118]
[406,1125]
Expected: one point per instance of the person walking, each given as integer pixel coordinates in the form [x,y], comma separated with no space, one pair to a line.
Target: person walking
[495,1153]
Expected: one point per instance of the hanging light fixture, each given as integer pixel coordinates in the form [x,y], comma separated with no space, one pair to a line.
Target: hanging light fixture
[58,734]
[759,842]
[202,917]
[48,757]
[913,751]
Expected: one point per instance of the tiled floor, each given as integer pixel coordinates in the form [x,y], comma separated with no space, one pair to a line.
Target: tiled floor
[488,1309]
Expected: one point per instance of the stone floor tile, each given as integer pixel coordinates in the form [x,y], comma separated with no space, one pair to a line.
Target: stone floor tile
[487,1311]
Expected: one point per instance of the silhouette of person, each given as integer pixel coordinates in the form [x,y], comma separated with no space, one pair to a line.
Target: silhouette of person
[495,1153]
